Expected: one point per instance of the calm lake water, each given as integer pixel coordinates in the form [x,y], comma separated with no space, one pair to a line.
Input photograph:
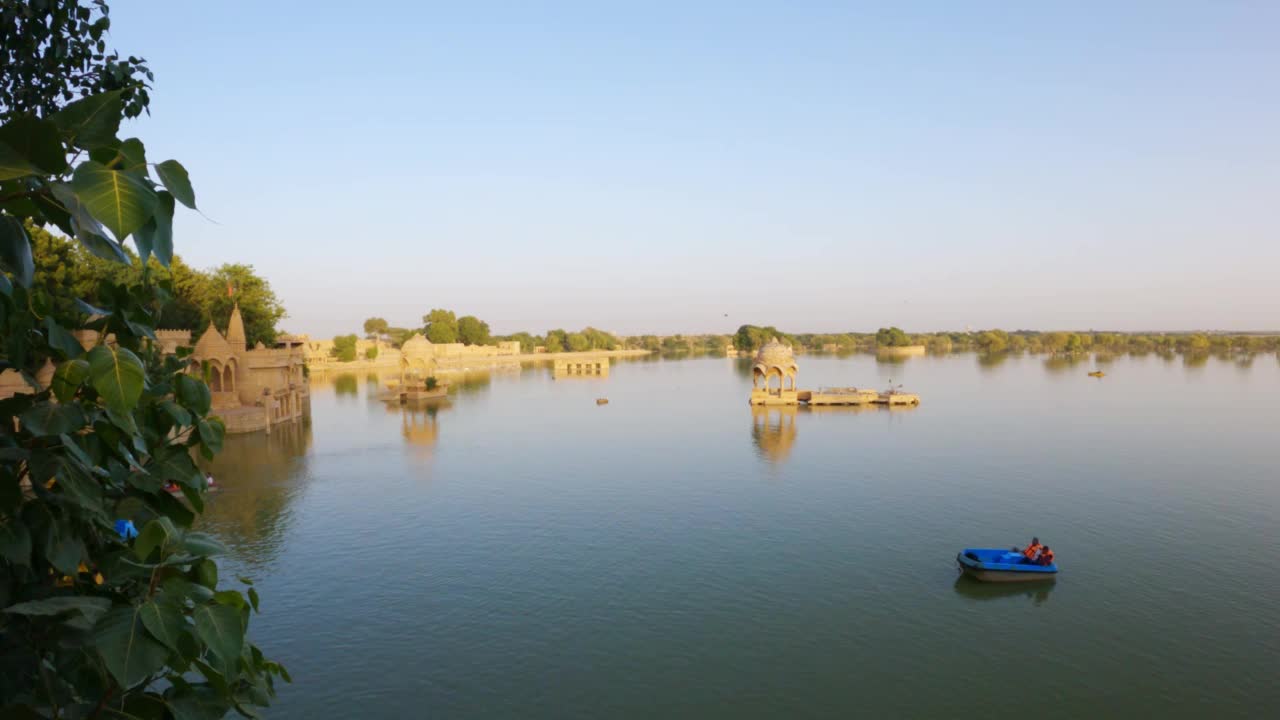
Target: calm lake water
[521,552]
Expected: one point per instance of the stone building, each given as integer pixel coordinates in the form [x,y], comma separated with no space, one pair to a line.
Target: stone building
[256,388]
[252,389]
[417,351]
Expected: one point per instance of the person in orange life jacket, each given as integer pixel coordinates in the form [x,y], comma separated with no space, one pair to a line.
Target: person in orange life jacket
[1046,557]
[1032,550]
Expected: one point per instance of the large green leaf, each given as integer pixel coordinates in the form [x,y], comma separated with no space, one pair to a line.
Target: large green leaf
[62,339]
[103,247]
[37,141]
[130,654]
[118,199]
[164,621]
[63,548]
[80,486]
[212,431]
[13,165]
[50,418]
[117,375]
[193,394]
[15,541]
[68,378]
[175,179]
[179,414]
[158,533]
[93,121]
[15,250]
[91,607]
[198,543]
[198,702]
[221,629]
[156,236]
[174,463]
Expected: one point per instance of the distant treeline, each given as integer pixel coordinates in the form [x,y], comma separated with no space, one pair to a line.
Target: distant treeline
[444,326]
[749,338]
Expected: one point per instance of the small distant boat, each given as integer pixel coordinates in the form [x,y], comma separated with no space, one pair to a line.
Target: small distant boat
[602,401]
[1000,565]
[1097,374]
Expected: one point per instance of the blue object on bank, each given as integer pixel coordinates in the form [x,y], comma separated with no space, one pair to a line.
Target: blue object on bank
[126,530]
[1000,565]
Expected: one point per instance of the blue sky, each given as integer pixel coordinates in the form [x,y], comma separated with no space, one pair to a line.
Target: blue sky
[654,167]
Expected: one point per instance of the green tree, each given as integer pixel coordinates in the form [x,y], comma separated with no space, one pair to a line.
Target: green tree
[528,343]
[1194,343]
[892,337]
[556,341]
[398,335]
[473,331]
[371,353]
[97,622]
[55,51]
[993,341]
[599,339]
[344,347]
[750,338]
[234,284]
[578,342]
[440,326]
[375,327]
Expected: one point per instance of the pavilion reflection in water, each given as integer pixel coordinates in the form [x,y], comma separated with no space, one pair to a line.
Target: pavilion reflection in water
[419,422]
[257,477]
[773,430]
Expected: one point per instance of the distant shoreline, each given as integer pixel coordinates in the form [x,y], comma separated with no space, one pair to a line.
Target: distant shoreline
[463,363]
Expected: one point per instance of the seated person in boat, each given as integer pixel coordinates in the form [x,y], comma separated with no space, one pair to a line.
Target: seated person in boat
[1031,551]
[1046,557]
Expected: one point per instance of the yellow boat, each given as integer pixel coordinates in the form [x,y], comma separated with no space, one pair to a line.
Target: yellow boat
[1097,374]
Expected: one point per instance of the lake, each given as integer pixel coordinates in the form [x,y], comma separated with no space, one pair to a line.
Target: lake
[521,552]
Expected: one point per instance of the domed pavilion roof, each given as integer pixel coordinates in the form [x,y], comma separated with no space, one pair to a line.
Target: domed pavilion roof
[776,353]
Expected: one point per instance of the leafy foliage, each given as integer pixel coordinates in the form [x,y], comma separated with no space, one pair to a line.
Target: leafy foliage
[473,331]
[94,622]
[375,327]
[892,337]
[54,51]
[67,272]
[344,347]
[441,326]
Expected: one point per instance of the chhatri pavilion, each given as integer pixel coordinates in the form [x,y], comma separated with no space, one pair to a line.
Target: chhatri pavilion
[774,360]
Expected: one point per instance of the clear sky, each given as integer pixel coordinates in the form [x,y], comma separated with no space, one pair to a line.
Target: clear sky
[655,166]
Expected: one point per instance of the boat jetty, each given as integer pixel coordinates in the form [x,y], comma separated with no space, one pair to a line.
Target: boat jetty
[776,360]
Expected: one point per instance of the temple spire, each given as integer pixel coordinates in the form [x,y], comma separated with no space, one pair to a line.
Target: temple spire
[235,329]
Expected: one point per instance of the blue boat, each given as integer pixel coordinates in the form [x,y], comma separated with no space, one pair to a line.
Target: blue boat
[1000,565]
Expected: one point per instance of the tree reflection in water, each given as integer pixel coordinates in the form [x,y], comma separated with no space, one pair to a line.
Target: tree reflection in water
[257,478]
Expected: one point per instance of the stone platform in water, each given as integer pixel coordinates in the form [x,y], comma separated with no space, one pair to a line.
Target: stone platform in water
[833,397]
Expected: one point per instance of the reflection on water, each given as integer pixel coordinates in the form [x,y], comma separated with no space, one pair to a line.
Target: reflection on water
[346,384]
[1195,360]
[1064,363]
[419,423]
[773,430]
[1036,592]
[991,360]
[471,382]
[257,478]
[521,549]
